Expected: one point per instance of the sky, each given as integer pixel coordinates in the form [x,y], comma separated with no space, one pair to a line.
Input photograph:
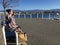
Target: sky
[37,4]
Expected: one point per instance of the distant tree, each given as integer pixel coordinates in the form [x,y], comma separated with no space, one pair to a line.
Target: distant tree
[8,3]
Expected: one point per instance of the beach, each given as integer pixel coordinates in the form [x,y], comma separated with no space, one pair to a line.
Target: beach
[39,31]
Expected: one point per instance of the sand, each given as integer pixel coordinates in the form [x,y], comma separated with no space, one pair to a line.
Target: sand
[40,31]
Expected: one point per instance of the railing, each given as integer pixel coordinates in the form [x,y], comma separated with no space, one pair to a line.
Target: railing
[3,30]
[37,15]
[41,15]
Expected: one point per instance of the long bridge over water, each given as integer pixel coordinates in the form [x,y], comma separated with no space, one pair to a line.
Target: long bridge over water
[36,14]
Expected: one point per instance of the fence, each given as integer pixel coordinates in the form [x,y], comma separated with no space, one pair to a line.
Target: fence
[38,15]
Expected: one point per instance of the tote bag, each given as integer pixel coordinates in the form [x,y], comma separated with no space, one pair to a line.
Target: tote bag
[22,37]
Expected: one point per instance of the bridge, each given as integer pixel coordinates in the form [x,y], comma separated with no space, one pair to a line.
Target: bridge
[40,14]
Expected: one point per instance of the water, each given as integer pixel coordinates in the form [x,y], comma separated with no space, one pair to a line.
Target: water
[45,16]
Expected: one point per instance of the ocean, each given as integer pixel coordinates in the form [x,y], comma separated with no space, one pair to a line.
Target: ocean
[45,16]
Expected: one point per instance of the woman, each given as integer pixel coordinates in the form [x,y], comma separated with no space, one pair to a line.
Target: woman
[10,21]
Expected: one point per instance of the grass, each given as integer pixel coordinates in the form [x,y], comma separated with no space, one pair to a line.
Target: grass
[41,31]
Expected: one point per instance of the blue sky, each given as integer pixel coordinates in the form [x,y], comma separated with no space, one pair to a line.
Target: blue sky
[37,4]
